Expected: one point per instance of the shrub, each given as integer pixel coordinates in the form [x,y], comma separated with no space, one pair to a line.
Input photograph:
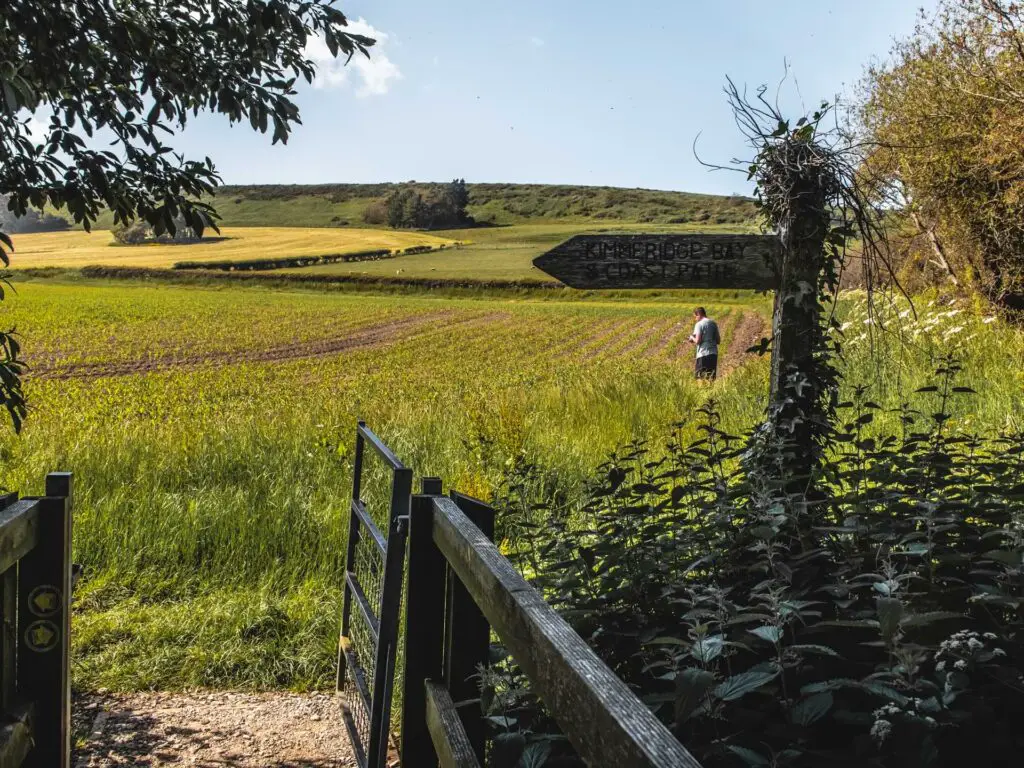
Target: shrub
[139,233]
[135,233]
[874,620]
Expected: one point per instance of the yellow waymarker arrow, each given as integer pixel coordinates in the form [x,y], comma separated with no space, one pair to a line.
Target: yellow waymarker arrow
[45,602]
[41,637]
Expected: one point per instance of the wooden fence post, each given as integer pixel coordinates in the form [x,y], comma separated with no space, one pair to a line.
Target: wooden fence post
[44,624]
[468,635]
[424,629]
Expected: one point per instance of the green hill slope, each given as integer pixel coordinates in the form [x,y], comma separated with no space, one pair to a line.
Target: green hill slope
[332,205]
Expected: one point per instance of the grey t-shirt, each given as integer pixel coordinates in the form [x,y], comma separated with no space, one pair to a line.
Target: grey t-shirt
[706,334]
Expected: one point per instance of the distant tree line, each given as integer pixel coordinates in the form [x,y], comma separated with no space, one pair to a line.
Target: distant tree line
[443,207]
[31,221]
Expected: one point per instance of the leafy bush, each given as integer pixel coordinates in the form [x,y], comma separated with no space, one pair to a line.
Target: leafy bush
[874,620]
[140,233]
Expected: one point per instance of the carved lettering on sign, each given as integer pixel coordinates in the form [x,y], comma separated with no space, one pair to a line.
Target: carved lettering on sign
[664,261]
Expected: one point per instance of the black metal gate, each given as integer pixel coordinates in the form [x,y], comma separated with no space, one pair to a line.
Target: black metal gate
[373,582]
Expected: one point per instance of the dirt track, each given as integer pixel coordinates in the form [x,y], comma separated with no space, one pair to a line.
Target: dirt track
[236,730]
[361,338]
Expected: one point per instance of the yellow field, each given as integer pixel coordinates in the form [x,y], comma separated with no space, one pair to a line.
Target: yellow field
[81,249]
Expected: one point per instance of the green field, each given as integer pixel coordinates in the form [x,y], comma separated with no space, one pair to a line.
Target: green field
[210,431]
[489,253]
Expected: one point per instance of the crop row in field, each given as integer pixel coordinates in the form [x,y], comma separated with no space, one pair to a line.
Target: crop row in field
[211,432]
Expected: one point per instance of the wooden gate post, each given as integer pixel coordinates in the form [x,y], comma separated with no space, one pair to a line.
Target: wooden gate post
[424,628]
[44,625]
[468,635]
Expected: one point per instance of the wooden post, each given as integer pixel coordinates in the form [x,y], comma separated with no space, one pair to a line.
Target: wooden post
[44,602]
[424,631]
[468,635]
[9,630]
[794,408]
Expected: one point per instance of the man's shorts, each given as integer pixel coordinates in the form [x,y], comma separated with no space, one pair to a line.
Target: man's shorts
[707,367]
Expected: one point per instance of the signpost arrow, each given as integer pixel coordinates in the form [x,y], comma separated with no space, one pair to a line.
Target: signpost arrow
[665,261]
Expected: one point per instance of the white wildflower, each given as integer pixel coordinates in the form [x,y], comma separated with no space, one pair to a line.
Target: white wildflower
[880,731]
[940,667]
[961,665]
[988,320]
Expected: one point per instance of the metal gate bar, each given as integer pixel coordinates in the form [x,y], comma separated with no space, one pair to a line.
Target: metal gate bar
[374,570]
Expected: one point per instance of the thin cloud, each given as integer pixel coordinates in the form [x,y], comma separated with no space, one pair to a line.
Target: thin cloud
[537,42]
[373,76]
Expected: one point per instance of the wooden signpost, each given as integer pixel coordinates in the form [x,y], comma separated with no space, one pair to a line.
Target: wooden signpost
[761,262]
[665,261]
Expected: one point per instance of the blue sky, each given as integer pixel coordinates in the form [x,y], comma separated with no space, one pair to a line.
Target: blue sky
[562,91]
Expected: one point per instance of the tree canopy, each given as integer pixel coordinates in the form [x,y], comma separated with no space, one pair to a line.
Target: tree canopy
[947,117]
[91,91]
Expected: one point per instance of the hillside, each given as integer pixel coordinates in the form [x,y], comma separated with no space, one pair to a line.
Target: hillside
[334,205]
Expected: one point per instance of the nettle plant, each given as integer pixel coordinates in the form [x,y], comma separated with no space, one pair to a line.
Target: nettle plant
[820,591]
[878,624]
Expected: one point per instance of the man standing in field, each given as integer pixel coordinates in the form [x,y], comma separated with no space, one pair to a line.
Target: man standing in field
[706,337]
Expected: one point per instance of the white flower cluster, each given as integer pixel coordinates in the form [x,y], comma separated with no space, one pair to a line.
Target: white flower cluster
[886,715]
[935,323]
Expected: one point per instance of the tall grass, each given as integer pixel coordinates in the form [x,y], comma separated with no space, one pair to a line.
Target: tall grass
[211,500]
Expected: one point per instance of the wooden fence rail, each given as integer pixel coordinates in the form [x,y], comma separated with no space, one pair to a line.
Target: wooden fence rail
[452,562]
[35,596]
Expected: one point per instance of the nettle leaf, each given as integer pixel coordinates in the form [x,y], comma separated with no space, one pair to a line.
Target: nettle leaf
[890,612]
[769,633]
[869,686]
[744,683]
[692,684]
[923,619]
[812,709]
[535,755]
[707,648]
[507,749]
[821,650]
[748,756]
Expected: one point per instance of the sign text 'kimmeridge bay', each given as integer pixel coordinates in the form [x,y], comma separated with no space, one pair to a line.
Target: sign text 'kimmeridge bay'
[664,261]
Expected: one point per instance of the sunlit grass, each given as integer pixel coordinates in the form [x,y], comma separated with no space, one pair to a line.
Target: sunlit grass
[212,486]
[75,248]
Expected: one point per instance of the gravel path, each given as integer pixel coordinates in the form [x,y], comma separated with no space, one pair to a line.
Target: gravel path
[242,730]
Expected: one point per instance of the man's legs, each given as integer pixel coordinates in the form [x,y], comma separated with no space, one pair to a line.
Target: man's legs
[707,367]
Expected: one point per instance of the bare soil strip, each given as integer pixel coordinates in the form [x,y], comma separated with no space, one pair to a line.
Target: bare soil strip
[359,338]
[613,345]
[241,730]
[591,346]
[653,334]
[750,329]
[581,336]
